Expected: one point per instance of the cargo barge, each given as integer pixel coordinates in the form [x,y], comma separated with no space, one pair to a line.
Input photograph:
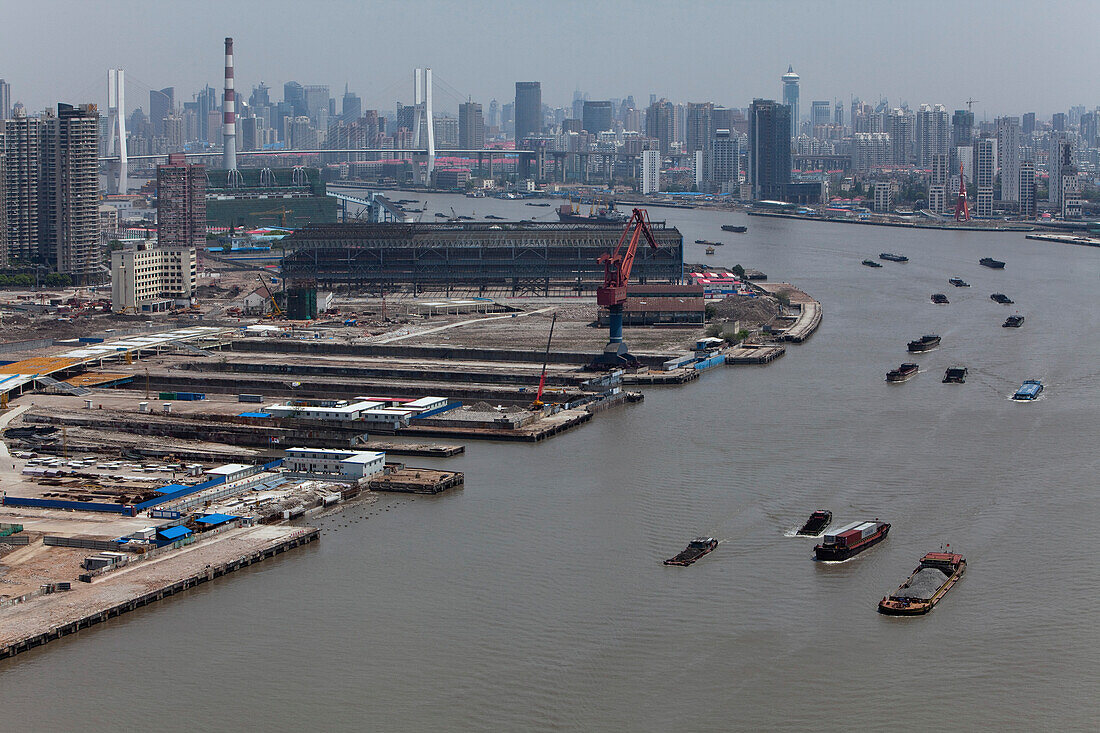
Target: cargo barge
[937,573]
[958,282]
[956,375]
[1001,298]
[817,523]
[734,228]
[902,373]
[992,263]
[570,213]
[924,343]
[1029,390]
[939,299]
[696,549]
[1013,322]
[851,539]
[893,257]
[871,263]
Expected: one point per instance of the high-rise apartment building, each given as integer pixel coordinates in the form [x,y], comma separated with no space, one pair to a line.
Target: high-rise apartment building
[870,150]
[22,185]
[1028,125]
[1029,208]
[933,133]
[898,124]
[5,100]
[725,161]
[1008,157]
[71,216]
[528,109]
[962,128]
[1058,122]
[471,126]
[651,171]
[769,148]
[181,202]
[790,98]
[699,131]
[838,114]
[937,184]
[3,209]
[1059,156]
[660,123]
[985,166]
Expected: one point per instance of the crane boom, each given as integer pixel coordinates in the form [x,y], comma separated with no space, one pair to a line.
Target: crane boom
[612,294]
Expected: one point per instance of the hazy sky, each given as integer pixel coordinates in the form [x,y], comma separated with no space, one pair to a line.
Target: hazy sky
[1012,57]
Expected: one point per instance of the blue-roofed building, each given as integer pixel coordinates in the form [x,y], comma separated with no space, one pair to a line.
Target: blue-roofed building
[171,534]
[210,521]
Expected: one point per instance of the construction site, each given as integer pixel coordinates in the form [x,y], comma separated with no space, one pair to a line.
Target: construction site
[145,454]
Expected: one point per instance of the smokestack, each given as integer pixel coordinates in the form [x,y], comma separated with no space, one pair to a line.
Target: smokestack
[229,109]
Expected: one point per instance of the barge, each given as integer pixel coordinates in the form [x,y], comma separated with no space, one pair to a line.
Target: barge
[816,524]
[924,343]
[955,375]
[871,263]
[940,299]
[893,257]
[937,573]
[958,282]
[1013,322]
[734,228]
[1001,298]
[851,539]
[992,263]
[696,549]
[902,373]
[1029,390]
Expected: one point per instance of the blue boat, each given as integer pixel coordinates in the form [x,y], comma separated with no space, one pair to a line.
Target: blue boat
[1029,390]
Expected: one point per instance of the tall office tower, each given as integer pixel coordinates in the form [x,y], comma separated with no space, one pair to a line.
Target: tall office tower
[1058,122]
[725,161]
[494,113]
[820,116]
[249,130]
[651,171]
[1029,207]
[1090,129]
[937,184]
[870,150]
[351,106]
[446,132]
[838,115]
[898,124]
[962,128]
[985,164]
[162,102]
[316,101]
[1059,156]
[5,100]
[1028,126]
[173,132]
[597,117]
[632,120]
[1008,157]
[790,98]
[769,148]
[528,109]
[206,103]
[260,97]
[471,126]
[660,124]
[22,173]
[933,133]
[699,131]
[71,212]
[294,94]
[181,203]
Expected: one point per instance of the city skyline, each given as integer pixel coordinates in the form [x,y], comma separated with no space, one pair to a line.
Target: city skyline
[722,57]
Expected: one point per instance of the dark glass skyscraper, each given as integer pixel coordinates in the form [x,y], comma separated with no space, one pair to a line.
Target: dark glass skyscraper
[596,116]
[528,108]
[769,148]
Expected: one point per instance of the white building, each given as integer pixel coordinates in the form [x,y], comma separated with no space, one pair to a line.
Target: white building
[651,171]
[1071,193]
[1028,202]
[333,465]
[870,150]
[1008,156]
[884,192]
[985,163]
[725,164]
[698,167]
[933,133]
[152,278]
[380,413]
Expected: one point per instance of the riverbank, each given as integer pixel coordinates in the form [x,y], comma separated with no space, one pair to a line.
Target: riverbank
[966,227]
[1066,239]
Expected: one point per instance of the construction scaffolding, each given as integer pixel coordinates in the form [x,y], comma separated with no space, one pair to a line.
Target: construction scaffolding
[523,258]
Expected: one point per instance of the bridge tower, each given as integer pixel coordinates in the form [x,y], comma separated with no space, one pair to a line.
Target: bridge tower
[116,128]
[422,114]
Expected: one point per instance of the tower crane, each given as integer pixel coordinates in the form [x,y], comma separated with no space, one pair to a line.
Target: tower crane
[612,294]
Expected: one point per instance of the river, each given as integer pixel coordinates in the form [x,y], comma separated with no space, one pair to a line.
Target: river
[535,598]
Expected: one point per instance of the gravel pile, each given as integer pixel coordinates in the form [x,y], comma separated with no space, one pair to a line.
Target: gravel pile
[750,311]
[924,584]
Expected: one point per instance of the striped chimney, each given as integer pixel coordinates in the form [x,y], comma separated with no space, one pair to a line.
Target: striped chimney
[229,109]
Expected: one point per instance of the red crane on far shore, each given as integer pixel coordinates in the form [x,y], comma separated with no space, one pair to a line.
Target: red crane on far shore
[612,294]
[962,211]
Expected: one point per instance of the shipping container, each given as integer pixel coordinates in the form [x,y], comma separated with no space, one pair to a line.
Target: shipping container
[831,537]
[850,537]
[166,396]
[250,398]
[90,340]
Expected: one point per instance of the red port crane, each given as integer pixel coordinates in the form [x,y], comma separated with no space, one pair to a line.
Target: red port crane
[612,294]
[962,211]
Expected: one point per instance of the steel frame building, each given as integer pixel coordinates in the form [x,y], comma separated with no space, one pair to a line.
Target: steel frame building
[525,258]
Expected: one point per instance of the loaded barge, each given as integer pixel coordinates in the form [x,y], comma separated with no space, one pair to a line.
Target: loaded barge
[991,263]
[817,523]
[902,373]
[937,573]
[851,539]
[924,343]
[696,549]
